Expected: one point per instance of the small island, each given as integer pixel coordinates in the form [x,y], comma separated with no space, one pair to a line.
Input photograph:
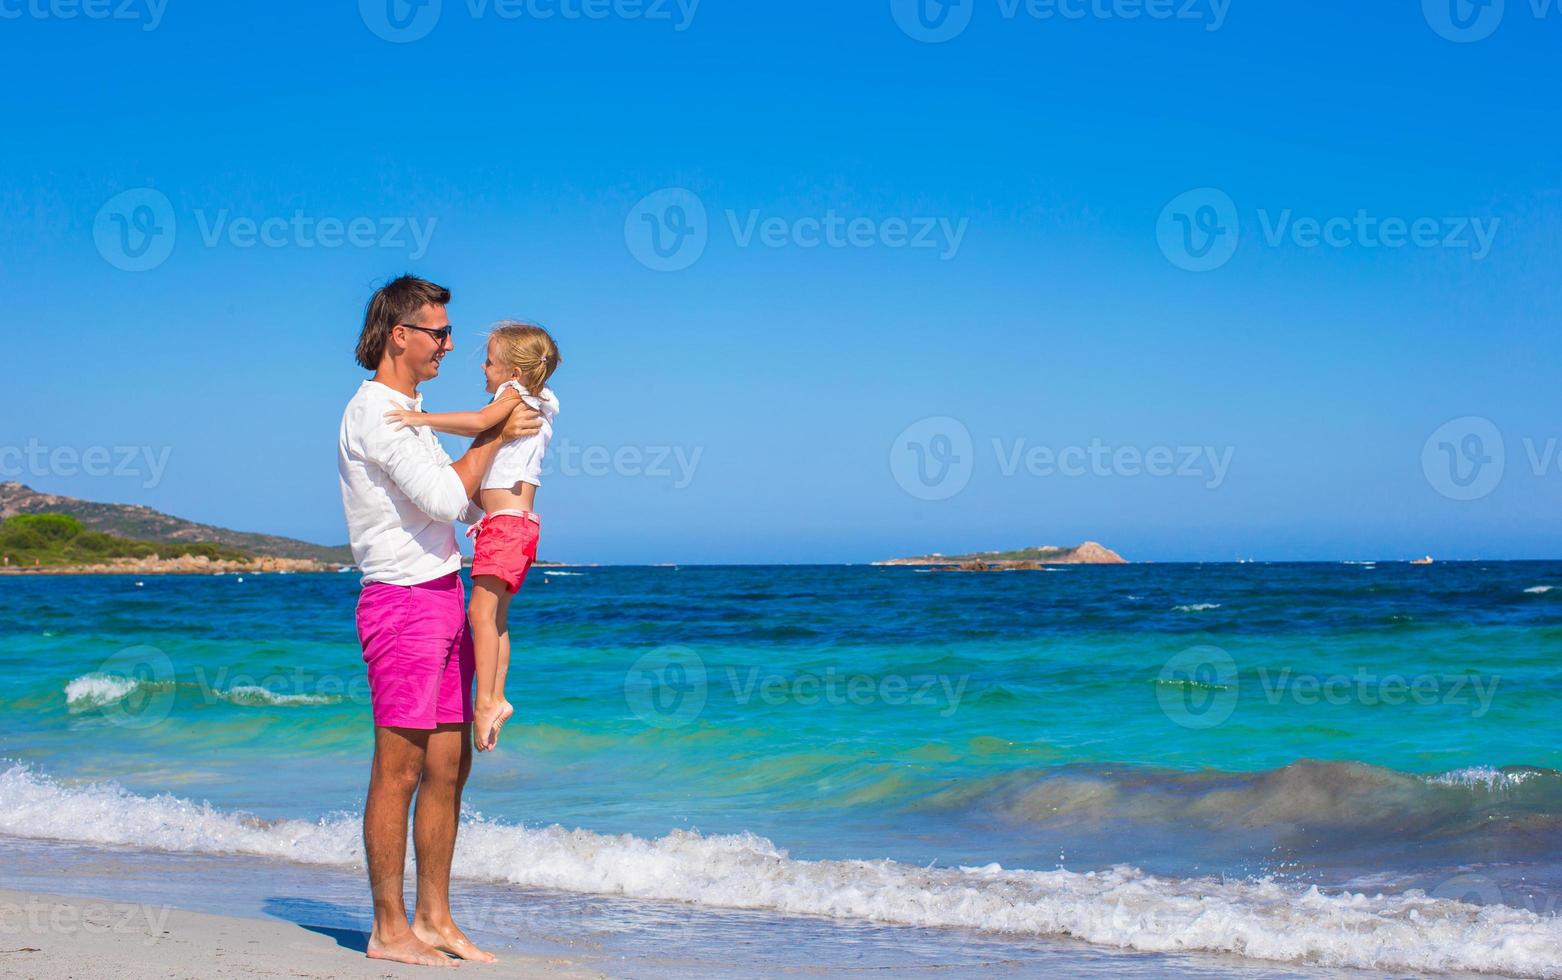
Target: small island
[1020,560]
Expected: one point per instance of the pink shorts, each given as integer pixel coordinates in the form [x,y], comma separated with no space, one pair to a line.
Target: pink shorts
[506,546]
[419,652]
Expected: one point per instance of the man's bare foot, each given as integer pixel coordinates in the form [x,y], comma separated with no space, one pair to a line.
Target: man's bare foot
[450,939]
[487,721]
[408,948]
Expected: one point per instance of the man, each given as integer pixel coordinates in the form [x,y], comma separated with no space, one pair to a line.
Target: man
[401,492]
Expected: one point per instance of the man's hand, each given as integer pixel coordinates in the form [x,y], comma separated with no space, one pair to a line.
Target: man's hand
[524,421]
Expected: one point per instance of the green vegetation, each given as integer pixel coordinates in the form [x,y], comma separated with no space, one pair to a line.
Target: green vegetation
[1024,554]
[59,539]
[147,525]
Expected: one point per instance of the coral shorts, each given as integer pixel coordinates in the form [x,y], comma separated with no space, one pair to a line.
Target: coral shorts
[506,546]
[419,652]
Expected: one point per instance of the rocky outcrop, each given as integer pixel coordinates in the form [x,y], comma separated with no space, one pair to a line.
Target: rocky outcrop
[1088,553]
[1091,553]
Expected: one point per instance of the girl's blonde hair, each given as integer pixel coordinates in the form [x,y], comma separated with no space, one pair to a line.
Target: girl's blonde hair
[528,349]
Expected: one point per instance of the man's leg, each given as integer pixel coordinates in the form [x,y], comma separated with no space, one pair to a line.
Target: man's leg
[446,767]
[399,761]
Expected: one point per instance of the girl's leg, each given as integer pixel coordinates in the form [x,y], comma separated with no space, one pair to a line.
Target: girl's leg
[504,661]
[489,599]
[502,669]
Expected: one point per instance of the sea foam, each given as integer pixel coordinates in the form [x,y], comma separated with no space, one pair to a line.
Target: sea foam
[96,690]
[1120,907]
[93,690]
[1484,777]
[1538,589]
[252,694]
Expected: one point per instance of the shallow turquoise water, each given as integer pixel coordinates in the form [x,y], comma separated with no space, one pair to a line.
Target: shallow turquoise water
[1331,723]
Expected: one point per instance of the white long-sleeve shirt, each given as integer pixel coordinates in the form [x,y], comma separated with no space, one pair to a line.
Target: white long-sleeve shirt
[399,492]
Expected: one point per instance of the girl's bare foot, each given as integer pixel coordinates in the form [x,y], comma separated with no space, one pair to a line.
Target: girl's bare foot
[506,709]
[487,721]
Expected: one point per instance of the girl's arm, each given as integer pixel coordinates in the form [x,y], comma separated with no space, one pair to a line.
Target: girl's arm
[459,423]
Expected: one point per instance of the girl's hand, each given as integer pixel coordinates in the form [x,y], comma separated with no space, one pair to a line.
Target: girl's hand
[402,417]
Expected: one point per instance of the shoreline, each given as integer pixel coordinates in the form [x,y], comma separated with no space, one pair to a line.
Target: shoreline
[185,565]
[317,916]
[54,937]
[204,566]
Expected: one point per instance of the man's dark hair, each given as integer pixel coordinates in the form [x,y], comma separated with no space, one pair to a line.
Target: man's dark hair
[398,301]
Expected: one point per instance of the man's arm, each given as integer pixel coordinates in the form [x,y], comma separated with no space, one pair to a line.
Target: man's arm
[441,489]
[523,421]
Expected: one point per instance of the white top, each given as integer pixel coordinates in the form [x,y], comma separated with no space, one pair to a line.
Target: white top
[520,460]
[398,491]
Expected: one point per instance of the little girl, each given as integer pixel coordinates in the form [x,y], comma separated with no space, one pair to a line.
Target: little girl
[521,359]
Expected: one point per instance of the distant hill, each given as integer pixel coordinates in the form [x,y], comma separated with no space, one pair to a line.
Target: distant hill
[1089,553]
[50,540]
[145,524]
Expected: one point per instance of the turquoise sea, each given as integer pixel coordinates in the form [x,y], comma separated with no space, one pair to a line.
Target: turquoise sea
[1254,768]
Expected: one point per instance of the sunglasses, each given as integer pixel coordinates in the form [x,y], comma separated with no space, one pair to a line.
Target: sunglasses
[441,335]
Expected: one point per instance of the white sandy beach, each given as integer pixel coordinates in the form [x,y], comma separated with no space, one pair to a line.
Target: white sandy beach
[51,937]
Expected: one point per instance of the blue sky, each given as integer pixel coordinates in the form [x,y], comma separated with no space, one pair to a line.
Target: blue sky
[1010,260]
